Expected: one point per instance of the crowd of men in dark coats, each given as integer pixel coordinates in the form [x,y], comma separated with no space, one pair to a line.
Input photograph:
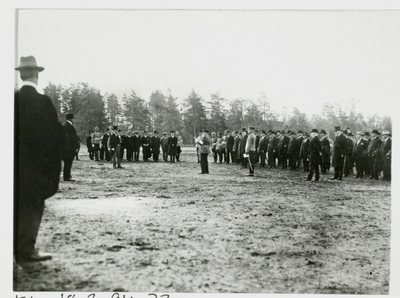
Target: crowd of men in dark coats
[314,152]
[113,145]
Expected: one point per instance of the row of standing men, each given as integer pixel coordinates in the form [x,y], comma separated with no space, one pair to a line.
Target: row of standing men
[111,145]
[369,153]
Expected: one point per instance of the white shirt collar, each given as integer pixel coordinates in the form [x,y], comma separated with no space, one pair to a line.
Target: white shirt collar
[29,83]
[70,122]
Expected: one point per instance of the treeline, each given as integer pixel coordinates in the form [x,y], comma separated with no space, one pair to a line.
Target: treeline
[161,112]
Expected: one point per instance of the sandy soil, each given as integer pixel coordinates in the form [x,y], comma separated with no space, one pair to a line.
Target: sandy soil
[161,227]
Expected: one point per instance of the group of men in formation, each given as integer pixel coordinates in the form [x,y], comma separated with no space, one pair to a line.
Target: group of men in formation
[314,152]
[111,146]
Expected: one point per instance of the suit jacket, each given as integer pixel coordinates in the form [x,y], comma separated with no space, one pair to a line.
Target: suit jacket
[283,145]
[39,139]
[242,144]
[360,148]
[113,141]
[304,148]
[273,145]
[386,148]
[293,147]
[172,143]
[262,147]
[136,142]
[339,150]
[145,142]
[236,143]
[374,147]
[326,150]
[155,144]
[72,140]
[230,140]
[315,150]
[128,140]
[350,145]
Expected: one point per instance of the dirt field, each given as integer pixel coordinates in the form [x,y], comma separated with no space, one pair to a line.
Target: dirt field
[161,227]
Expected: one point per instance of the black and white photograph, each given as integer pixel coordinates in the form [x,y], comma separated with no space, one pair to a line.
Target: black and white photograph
[204,150]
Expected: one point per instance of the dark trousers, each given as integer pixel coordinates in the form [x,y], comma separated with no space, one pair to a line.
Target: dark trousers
[262,157]
[375,168]
[314,167]
[204,163]
[215,154]
[91,153]
[172,157]
[272,159]
[146,153]
[27,219]
[102,152]
[292,161]
[155,156]
[178,152]
[67,168]
[129,153]
[136,154]
[121,152]
[359,161]
[252,161]
[284,162]
[96,149]
[228,157]
[116,156]
[306,164]
[244,161]
[108,155]
[338,173]
[387,169]
[233,156]
[165,154]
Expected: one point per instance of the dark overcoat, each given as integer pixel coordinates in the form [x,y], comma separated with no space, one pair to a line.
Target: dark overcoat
[339,150]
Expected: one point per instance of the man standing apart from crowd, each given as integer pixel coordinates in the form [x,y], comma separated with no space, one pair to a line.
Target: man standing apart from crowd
[71,147]
[39,138]
[314,155]
[172,143]
[339,149]
[250,150]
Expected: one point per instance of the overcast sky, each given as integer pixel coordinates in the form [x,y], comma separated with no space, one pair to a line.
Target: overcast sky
[297,58]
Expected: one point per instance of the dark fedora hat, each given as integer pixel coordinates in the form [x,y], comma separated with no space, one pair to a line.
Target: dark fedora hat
[206,130]
[69,116]
[26,63]
[337,128]
[314,130]
[375,131]
[115,127]
[172,131]
[323,131]
[156,131]
[299,131]
[366,133]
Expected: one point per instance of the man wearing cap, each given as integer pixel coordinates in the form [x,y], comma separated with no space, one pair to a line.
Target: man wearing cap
[339,149]
[293,150]
[250,150]
[155,145]
[172,142]
[71,147]
[314,155]
[326,152]
[39,139]
[272,149]
[262,147]
[373,151]
[360,154]
[386,155]
[164,145]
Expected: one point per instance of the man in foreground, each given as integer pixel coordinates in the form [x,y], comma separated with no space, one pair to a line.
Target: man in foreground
[39,138]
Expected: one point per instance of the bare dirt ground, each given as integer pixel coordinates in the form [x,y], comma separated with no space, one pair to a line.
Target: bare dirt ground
[161,227]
